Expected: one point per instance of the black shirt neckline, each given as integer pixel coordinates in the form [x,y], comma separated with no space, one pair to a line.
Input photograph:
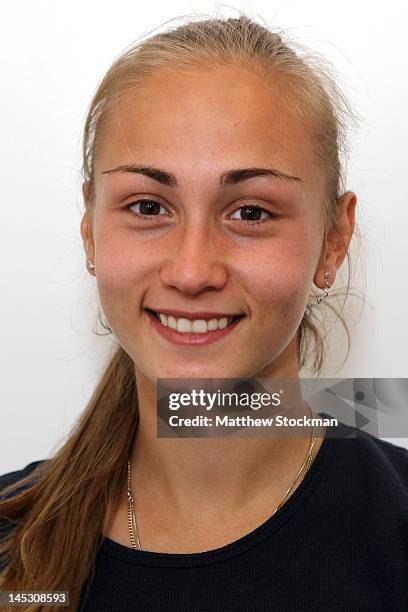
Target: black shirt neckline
[267,528]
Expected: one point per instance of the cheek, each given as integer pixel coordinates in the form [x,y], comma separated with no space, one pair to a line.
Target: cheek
[278,277]
[123,260]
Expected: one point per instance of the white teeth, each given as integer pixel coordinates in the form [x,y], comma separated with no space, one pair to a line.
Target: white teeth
[198,326]
[163,319]
[171,322]
[183,325]
[212,324]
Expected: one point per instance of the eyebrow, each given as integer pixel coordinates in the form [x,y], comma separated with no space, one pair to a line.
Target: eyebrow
[230,177]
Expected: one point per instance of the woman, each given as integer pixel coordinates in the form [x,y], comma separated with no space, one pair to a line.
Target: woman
[213,189]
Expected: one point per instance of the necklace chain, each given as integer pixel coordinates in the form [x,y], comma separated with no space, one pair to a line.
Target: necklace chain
[132,524]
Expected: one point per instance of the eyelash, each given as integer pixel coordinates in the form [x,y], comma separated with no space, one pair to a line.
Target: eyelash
[153,218]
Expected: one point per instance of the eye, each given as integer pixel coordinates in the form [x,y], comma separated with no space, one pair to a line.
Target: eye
[149,209]
[252,214]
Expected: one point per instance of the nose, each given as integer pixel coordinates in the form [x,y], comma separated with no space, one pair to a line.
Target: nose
[196,261]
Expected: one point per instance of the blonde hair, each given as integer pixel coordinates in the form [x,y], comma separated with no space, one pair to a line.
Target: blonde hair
[52,547]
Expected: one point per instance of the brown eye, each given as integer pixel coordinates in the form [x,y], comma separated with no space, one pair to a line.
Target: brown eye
[148,209]
[252,214]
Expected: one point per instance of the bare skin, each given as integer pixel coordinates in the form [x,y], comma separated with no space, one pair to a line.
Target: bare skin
[199,254]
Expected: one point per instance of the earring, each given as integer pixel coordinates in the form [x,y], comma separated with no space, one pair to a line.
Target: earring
[326,286]
[91,265]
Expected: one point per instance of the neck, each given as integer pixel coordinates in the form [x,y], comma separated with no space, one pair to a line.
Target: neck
[212,475]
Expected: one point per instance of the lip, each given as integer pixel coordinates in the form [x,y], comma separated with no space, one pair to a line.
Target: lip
[201,314]
[189,339]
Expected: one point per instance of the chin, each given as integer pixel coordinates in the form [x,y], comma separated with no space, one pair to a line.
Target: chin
[193,371]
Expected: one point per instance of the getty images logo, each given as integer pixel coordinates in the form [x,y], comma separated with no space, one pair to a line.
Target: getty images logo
[204,399]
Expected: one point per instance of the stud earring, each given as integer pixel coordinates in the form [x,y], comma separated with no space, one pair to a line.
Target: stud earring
[326,286]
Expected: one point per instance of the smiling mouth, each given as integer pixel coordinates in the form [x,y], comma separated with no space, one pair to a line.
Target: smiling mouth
[199,326]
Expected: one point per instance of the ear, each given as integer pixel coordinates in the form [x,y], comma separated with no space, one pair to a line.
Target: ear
[338,239]
[87,223]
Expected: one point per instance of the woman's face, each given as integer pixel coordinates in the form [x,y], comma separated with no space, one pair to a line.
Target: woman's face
[199,250]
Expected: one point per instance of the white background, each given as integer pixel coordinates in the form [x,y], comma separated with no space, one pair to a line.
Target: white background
[53,55]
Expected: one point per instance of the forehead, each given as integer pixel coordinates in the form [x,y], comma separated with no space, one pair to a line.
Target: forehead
[209,118]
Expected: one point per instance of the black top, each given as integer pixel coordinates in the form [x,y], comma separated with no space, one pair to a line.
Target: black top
[339,543]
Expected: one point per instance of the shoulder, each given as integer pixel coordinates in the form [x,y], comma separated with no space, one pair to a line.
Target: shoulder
[375,463]
[391,457]
[12,477]
[382,450]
